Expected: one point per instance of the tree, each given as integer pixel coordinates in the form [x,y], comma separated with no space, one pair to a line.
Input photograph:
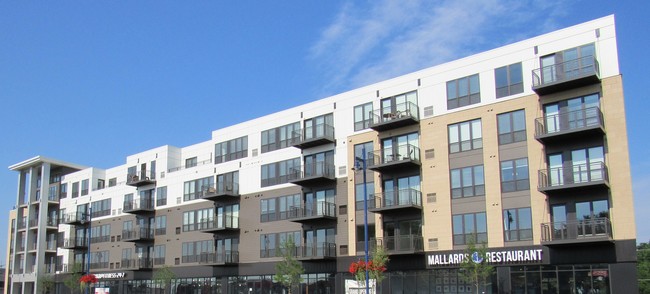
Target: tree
[643,267]
[72,281]
[376,267]
[288,270]
[474,268]
[164,275]
[46,283]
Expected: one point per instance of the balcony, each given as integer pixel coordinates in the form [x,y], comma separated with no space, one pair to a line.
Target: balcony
[220,191]
[405,114]
[138,235]
[99,265]
[22,223]
[72,268]
[593,175]
[138,206]
[52,223]
[320,134]
[566,75]
[404,244]
[570,125]
[75,243]
[317,251]
[219,224]
[397,158]
[319,211]
[75,218]
[312,174]
[578,231]
[396,202]
[227,257]
[137,264]
[141,178]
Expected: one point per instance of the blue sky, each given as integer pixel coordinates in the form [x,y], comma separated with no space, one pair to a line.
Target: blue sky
[91,82]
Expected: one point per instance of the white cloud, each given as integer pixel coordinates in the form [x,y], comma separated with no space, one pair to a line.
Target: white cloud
[389,38]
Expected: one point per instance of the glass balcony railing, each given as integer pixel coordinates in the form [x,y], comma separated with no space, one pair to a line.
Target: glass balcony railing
[586,230]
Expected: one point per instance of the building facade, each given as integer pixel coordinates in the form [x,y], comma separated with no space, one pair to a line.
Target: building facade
[522,148]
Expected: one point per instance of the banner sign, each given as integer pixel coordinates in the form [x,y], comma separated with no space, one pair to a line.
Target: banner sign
[492,257]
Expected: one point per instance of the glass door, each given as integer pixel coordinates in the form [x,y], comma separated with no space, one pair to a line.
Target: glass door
[548,69]
[389,193]
[552,117]
[558,213]
[555,170]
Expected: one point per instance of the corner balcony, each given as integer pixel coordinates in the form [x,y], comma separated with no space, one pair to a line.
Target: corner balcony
[75,218]
[318,212]
[141,178]
[566,75]
[317,135]
[75,243]
[577,232]
[138,206]
[401,201]
[404,244]
[228,257]
[592,175]
[569,126]
[402,157]
[138,235]
[404,114]
[317,251]
[219,224]
[312,174]
[220,191]
[137,264]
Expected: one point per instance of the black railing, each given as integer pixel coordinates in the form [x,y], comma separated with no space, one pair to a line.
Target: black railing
[141,204]
[138,234]
[405,152]
[401,244]
[396,198]
[573,174]
[317,209]
[401,111]
[313,170]
[225,257]
[569,121]
[317,250]
[320,131]
[577,230]
[219,223]
[565,71]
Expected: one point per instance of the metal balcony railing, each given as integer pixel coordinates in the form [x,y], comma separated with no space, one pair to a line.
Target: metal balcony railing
[75,217]
[401,244]
[141,177]
[78,242]
[317,250]
[225,222]
[138,234]
[220,189]
[565,71]
[138,205]
[408,197]
[315,210]
[136,263]
[578,230]
[405,153]
[313,136]
[569,121]
[402,114]
[572,175]
[322,170]
[216,258]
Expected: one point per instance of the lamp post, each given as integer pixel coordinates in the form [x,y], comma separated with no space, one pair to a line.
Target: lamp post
[90,211]
[360,163]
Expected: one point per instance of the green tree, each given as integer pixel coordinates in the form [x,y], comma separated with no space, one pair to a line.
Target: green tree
[46,283]
[643,267]
[376,270]
[72,280]
[474,269]
[164,276]
[288,270]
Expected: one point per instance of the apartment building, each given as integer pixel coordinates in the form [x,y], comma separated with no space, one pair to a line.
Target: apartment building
[522,148]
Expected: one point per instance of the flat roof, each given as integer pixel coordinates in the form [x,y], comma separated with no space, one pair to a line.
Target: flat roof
[38,160]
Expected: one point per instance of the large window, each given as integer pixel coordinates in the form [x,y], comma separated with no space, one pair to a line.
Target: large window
[75,189]
[517,224]
[362,116]
[84,187]
[100,233]
[161,196]
[467,182]
[271,243]
[101,208]
[509,80]
[464,91]
[572,114]
[358,192]
[358,149]
[192,250]
[567,64]
[231,150]
[99,259]
[196,219]
[191,162]
[512,127]
[279,137]
[279,208]
[161,225]
[159,254]
[514,175]
[469,227]
[465,136]
[192,189]
[278,172]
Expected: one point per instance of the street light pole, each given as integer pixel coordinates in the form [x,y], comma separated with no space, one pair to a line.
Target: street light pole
[90,211]
[365,210]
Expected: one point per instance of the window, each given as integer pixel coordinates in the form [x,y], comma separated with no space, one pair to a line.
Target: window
[63,193]
[100,233]
[192,189]
[469,227]
[402,191]
[231,150]
[99,259]
[195,220]
[84,187]
[362,116]
[512,127]
[192,250]
[361,235]
[112,182]
[403,105]
[358,149]
[465,136]
[567,64]
[280,137]
[572,114]
[467,182]
[161,225]
[509,80]
[159,254]
[278,172]
[190,162]
[101,208]
[514,175]
[279,208]
[319,127]
[358,192]
[75,189]
[400,148]
[517,224]
[161,196]
[464,91]
[267,210]
[270,243]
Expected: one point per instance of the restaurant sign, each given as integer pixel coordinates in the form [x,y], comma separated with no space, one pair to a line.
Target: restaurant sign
[521,256]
